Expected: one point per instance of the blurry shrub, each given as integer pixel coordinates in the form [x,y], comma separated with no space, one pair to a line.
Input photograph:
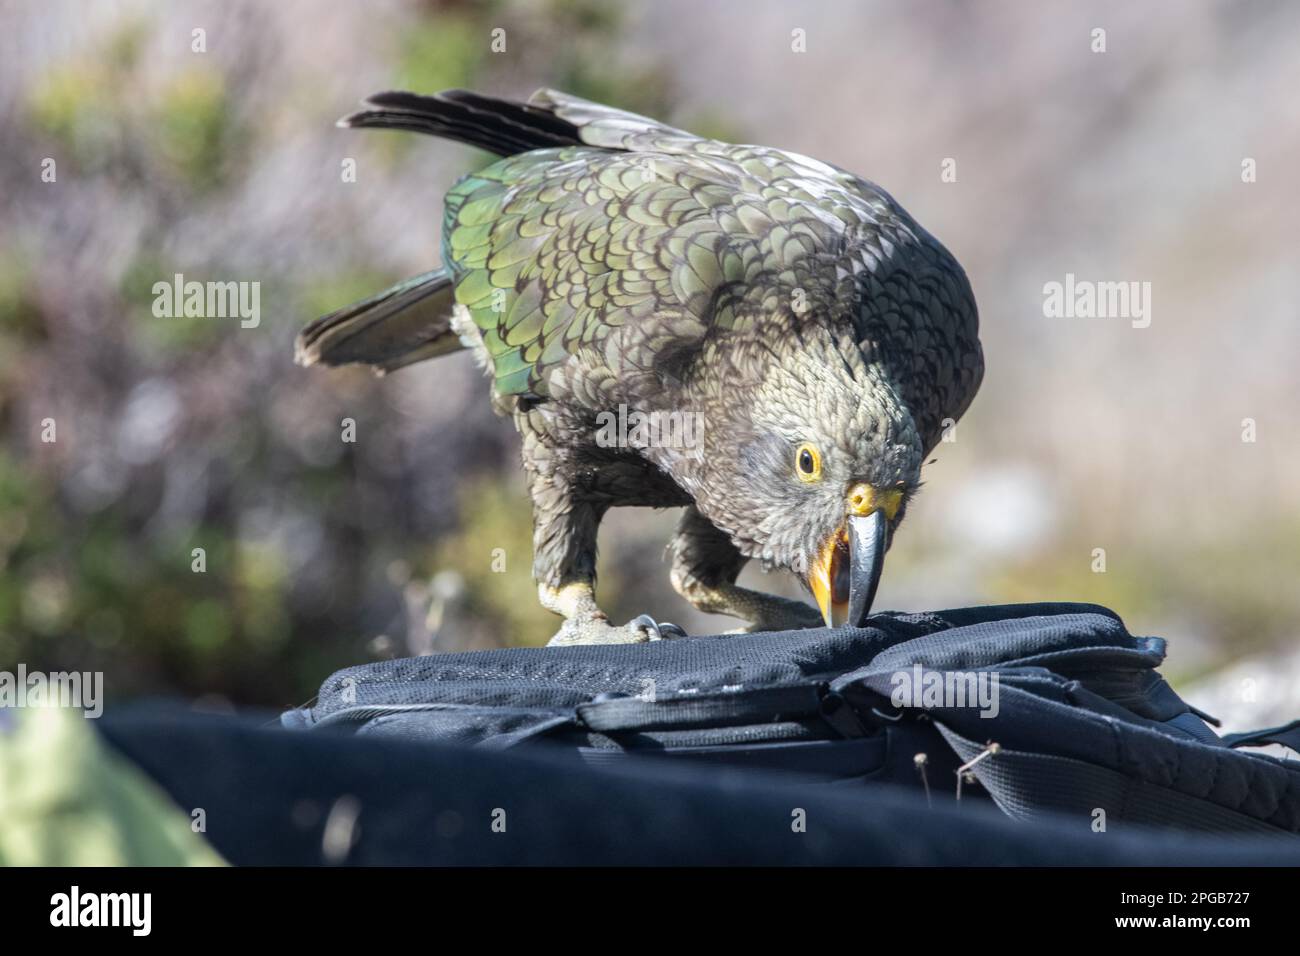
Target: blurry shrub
[195,133]
[493,552]
[235,450]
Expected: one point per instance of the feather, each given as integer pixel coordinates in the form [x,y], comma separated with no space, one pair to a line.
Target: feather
[499,126]
[408,323]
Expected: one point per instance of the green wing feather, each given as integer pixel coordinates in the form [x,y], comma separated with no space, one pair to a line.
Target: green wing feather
[555,250]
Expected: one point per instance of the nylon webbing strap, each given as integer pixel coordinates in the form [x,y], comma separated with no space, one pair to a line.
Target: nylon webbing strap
[719,709]
[1288,735]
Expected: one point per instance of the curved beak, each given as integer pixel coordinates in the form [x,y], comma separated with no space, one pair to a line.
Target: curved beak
[866,562]
[847,572]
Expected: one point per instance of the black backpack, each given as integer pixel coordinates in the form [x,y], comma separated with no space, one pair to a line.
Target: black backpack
[1044,708]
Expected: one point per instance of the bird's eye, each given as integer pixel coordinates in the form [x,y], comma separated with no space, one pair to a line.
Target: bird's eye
[808,463]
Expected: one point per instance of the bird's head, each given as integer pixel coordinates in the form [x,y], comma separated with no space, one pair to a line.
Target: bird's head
[813,470]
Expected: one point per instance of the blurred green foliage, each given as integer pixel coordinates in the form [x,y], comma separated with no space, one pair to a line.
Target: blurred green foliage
[86,108]
[195,132]
[175,434]
[492,552]
[72,105]
[166,337]
[443,52]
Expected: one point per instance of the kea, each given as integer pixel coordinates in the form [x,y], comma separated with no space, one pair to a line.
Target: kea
[609,268]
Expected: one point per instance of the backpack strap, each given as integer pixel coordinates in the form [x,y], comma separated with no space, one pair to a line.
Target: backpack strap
[1288,735]
[756,706]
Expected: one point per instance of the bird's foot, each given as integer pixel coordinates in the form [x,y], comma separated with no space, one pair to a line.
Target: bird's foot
[764,612]
[782,614]
[596,629]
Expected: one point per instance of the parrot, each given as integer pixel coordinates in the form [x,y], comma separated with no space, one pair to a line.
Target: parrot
[611,268]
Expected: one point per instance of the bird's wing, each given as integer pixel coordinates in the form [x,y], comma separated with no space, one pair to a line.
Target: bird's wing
[632,245]
[641,240]
[584,249]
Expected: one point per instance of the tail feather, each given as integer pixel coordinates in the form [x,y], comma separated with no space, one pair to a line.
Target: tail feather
[408,323]
[504,127]
[499,126]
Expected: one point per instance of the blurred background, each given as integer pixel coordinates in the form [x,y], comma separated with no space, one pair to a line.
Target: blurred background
[175,434]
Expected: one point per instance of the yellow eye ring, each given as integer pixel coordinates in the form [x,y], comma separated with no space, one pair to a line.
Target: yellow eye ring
[808,463]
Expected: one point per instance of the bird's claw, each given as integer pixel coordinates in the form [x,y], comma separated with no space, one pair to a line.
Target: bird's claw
[597,630]
[657,631]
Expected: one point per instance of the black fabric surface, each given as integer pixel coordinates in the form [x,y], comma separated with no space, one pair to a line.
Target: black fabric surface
[560,678]
[1085,723]
[268,794]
